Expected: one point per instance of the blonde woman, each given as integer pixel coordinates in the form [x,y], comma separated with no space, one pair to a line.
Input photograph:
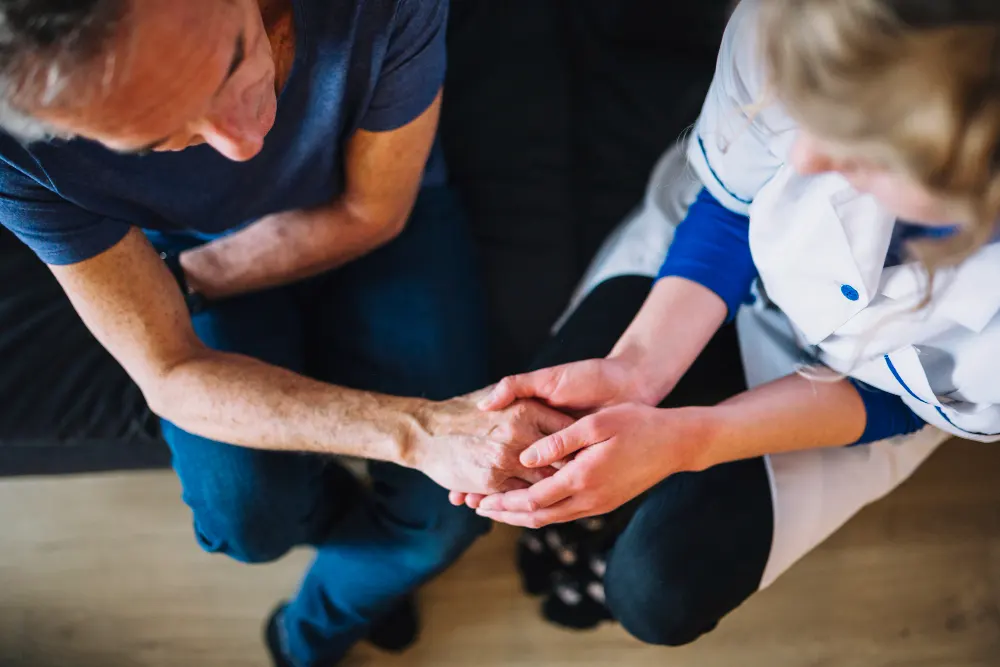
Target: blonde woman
[838,199]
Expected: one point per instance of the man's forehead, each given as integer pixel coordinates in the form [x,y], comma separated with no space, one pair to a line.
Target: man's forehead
[166,60]
[171,15]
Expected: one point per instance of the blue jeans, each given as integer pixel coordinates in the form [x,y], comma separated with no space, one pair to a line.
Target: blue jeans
[405,320]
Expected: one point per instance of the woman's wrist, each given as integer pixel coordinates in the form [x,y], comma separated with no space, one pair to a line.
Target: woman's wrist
[646,382]
[697,440]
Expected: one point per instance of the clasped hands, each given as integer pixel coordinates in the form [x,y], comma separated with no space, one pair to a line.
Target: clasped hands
[601,444]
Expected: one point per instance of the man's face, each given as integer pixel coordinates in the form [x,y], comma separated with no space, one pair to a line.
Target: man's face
[180,73]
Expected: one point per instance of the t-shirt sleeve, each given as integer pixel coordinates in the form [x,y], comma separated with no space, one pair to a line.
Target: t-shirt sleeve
[58,231]
[414,67]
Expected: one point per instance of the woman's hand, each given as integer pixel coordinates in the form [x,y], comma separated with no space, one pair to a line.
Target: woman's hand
[621,452]
[582,386]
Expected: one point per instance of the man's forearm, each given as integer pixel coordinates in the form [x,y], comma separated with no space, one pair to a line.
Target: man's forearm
[791,414]
[383,172]
[284,248]
[242,401]
[673,327]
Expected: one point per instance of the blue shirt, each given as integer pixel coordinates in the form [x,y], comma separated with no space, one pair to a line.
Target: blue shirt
[359,64]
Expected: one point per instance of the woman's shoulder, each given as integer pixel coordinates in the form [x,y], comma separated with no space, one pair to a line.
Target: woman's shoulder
[743,135]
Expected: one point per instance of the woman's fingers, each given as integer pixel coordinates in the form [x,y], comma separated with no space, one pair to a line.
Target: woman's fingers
[473,500]
[458,498]
[563,512]
[526,385]
[534,475]
[514,484]
[544,494]
[552,449]
[549,421]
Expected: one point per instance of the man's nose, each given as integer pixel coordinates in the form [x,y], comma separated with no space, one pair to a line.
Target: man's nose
[237,135]
[808,158]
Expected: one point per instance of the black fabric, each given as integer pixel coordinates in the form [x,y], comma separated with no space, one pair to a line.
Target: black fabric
[597,324]
[65,404]
[556,111]
[681,556]
[399,629]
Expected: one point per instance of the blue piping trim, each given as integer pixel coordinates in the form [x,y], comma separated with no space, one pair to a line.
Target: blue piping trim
[941,412]
[895,374]
[704,154]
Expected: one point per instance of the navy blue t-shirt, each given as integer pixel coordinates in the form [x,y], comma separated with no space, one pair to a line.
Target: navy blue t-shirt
[359,64]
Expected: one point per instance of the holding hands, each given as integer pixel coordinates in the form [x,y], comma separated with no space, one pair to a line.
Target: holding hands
[618,449]
[622,445]
[464,448]
[582,386]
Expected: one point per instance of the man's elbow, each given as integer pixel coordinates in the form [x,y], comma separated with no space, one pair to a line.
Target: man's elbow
[386,227]
[384,223]
[167,389]
[161,396]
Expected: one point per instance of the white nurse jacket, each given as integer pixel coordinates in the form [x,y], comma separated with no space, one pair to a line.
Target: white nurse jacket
[824,294]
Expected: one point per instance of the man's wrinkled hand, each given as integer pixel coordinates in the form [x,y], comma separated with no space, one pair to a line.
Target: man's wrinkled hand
[469,451]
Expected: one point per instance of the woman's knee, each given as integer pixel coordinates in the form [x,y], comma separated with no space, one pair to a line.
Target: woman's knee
[695,550]
[658,610]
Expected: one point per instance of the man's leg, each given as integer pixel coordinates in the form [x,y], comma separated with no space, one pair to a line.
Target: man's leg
[254,505]
[406,320]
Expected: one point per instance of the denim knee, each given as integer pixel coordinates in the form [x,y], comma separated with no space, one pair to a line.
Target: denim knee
[437,544]
[244,534]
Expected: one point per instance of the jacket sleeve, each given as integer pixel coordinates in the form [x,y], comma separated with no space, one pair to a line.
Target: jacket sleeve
[711,247]
[887,415]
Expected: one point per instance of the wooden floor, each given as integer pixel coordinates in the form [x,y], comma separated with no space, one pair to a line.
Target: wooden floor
[102,571]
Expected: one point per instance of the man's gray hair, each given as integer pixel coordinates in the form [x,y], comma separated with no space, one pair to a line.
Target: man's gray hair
[43,45]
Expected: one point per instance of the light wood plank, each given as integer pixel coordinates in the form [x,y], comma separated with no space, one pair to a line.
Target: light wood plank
[102,571]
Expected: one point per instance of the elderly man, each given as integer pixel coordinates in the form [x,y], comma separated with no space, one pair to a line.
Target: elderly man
[223,186]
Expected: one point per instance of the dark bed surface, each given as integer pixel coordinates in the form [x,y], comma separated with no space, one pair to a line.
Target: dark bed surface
[555,113]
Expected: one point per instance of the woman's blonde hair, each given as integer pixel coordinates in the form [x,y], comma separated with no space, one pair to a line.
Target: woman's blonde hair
[911,84]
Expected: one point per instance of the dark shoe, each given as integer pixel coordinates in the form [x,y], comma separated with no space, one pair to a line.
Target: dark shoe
[576,602]
[399,629]
[274,638]
[394,632]
[535,562]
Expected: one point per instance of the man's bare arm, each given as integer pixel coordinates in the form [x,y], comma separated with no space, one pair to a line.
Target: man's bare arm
[129,300]
[383,172]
